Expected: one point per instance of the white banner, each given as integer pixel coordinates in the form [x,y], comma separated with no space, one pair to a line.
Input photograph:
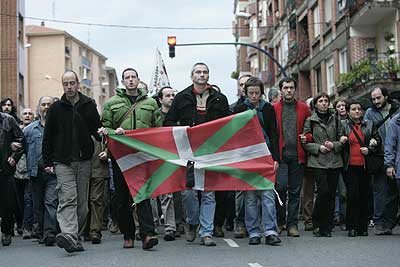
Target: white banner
[159,78]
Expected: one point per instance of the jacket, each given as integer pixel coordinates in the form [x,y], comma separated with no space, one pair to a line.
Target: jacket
[269,125]
[99,167]
[368,132]
[183,109]
[66,124]
[321,133]
[392,145]
[144,115]
[9,132]
[34,136]
[302,113]
[373,114]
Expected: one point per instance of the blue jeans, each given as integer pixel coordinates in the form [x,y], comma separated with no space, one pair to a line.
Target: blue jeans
[196,213]
[289,179]
[385,200]
[252,213]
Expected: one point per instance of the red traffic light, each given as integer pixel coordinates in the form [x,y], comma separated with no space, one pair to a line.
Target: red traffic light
[171,40]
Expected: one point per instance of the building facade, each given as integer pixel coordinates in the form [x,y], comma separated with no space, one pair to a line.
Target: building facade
[51,52]
[12,58]
[342,47]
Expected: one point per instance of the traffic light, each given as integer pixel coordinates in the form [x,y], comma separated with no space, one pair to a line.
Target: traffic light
[171,44]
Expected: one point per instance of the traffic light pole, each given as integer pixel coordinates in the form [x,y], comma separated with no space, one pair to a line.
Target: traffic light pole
[281,68]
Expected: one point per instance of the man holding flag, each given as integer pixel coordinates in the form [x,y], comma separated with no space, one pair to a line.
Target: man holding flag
[197,104]
[131,109]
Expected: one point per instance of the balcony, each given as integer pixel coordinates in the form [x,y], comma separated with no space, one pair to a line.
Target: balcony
[85,62]
[264,33]
[303,50]
[87,83]
[235,31]
[251,51]
[370,12]
[252,8]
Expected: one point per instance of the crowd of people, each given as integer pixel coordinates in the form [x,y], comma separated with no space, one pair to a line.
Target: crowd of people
[336,164]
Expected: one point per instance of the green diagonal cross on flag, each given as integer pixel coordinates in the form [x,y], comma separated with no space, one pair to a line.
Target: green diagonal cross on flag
[229,154]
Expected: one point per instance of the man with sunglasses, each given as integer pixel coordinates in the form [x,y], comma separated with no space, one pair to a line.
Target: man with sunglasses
[67,150]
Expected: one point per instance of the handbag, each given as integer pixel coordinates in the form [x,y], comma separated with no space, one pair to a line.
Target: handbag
[373,163]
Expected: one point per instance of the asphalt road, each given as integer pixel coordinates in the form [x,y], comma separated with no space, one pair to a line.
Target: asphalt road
[306,250]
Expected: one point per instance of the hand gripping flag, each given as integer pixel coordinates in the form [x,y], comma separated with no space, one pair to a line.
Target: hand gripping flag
[225,154]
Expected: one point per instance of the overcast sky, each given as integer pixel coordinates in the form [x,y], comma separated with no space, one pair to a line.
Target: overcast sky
[136,47]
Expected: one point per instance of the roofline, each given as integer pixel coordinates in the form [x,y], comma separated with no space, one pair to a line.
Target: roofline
[66,34]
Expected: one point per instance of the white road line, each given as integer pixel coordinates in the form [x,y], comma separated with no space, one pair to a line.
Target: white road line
[231,243]
[255,264]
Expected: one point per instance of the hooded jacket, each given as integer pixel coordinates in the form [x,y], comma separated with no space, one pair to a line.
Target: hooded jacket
[68,126]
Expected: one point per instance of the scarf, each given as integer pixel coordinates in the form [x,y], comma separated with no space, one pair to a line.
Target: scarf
[201,100]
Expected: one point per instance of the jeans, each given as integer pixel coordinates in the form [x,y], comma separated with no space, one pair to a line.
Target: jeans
[289,179]
[252,213]
[327,180]
[73,193]
[45,202]
[196,213]
[385,200]
[239,208]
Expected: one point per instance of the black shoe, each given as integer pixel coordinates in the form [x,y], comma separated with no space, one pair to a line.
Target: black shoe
[308,227]
[68,242]
[352,233]
[322,234]
[50,240]
[254,240]
[218,232]
[169,236]
[79,247]
[20,231]
[6,240]
[96,238]
[149,242]
[272,240]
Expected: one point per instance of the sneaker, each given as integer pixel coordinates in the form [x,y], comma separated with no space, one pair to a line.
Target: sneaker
[114,228]
[27,234]
[191,233]
[67,242]
[272,240]
[207,241]
[169,235]
[240,232]
[149,242]
[379,230]
[218,232]
[293,231]
[50,240]
[96,238]
[256,240]
[308,227]
[6,240]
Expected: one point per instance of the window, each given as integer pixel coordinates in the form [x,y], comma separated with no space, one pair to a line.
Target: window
[341,4]
[328,11]
[318,79]
[343,60]
[285,49]
[316,22]
[330,75]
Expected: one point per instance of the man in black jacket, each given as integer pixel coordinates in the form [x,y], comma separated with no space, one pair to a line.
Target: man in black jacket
[67,150]
[11,138]
[197,104]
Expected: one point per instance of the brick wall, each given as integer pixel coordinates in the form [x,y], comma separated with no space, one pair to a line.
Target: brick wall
[8,50]
[358,48]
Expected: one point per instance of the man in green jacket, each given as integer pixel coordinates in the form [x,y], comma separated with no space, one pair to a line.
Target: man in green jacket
[130,109]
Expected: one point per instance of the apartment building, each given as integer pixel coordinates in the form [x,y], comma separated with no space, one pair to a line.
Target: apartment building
[51,52]
[342,47]
[12,59]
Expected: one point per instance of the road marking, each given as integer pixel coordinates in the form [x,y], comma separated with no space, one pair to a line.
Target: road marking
[255,264]
[231,243]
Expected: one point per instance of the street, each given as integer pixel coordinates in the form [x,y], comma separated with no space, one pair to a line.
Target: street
[307,250]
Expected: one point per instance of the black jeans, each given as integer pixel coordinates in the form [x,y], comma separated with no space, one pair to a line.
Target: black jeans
[45,202]
[7,203]
[358,198]
[125,210]
[324,208]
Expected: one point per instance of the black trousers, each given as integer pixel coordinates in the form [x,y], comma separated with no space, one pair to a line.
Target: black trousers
[358,198]
[7,203]
[125,210]
[324,207]
[224,207]
[20,185]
